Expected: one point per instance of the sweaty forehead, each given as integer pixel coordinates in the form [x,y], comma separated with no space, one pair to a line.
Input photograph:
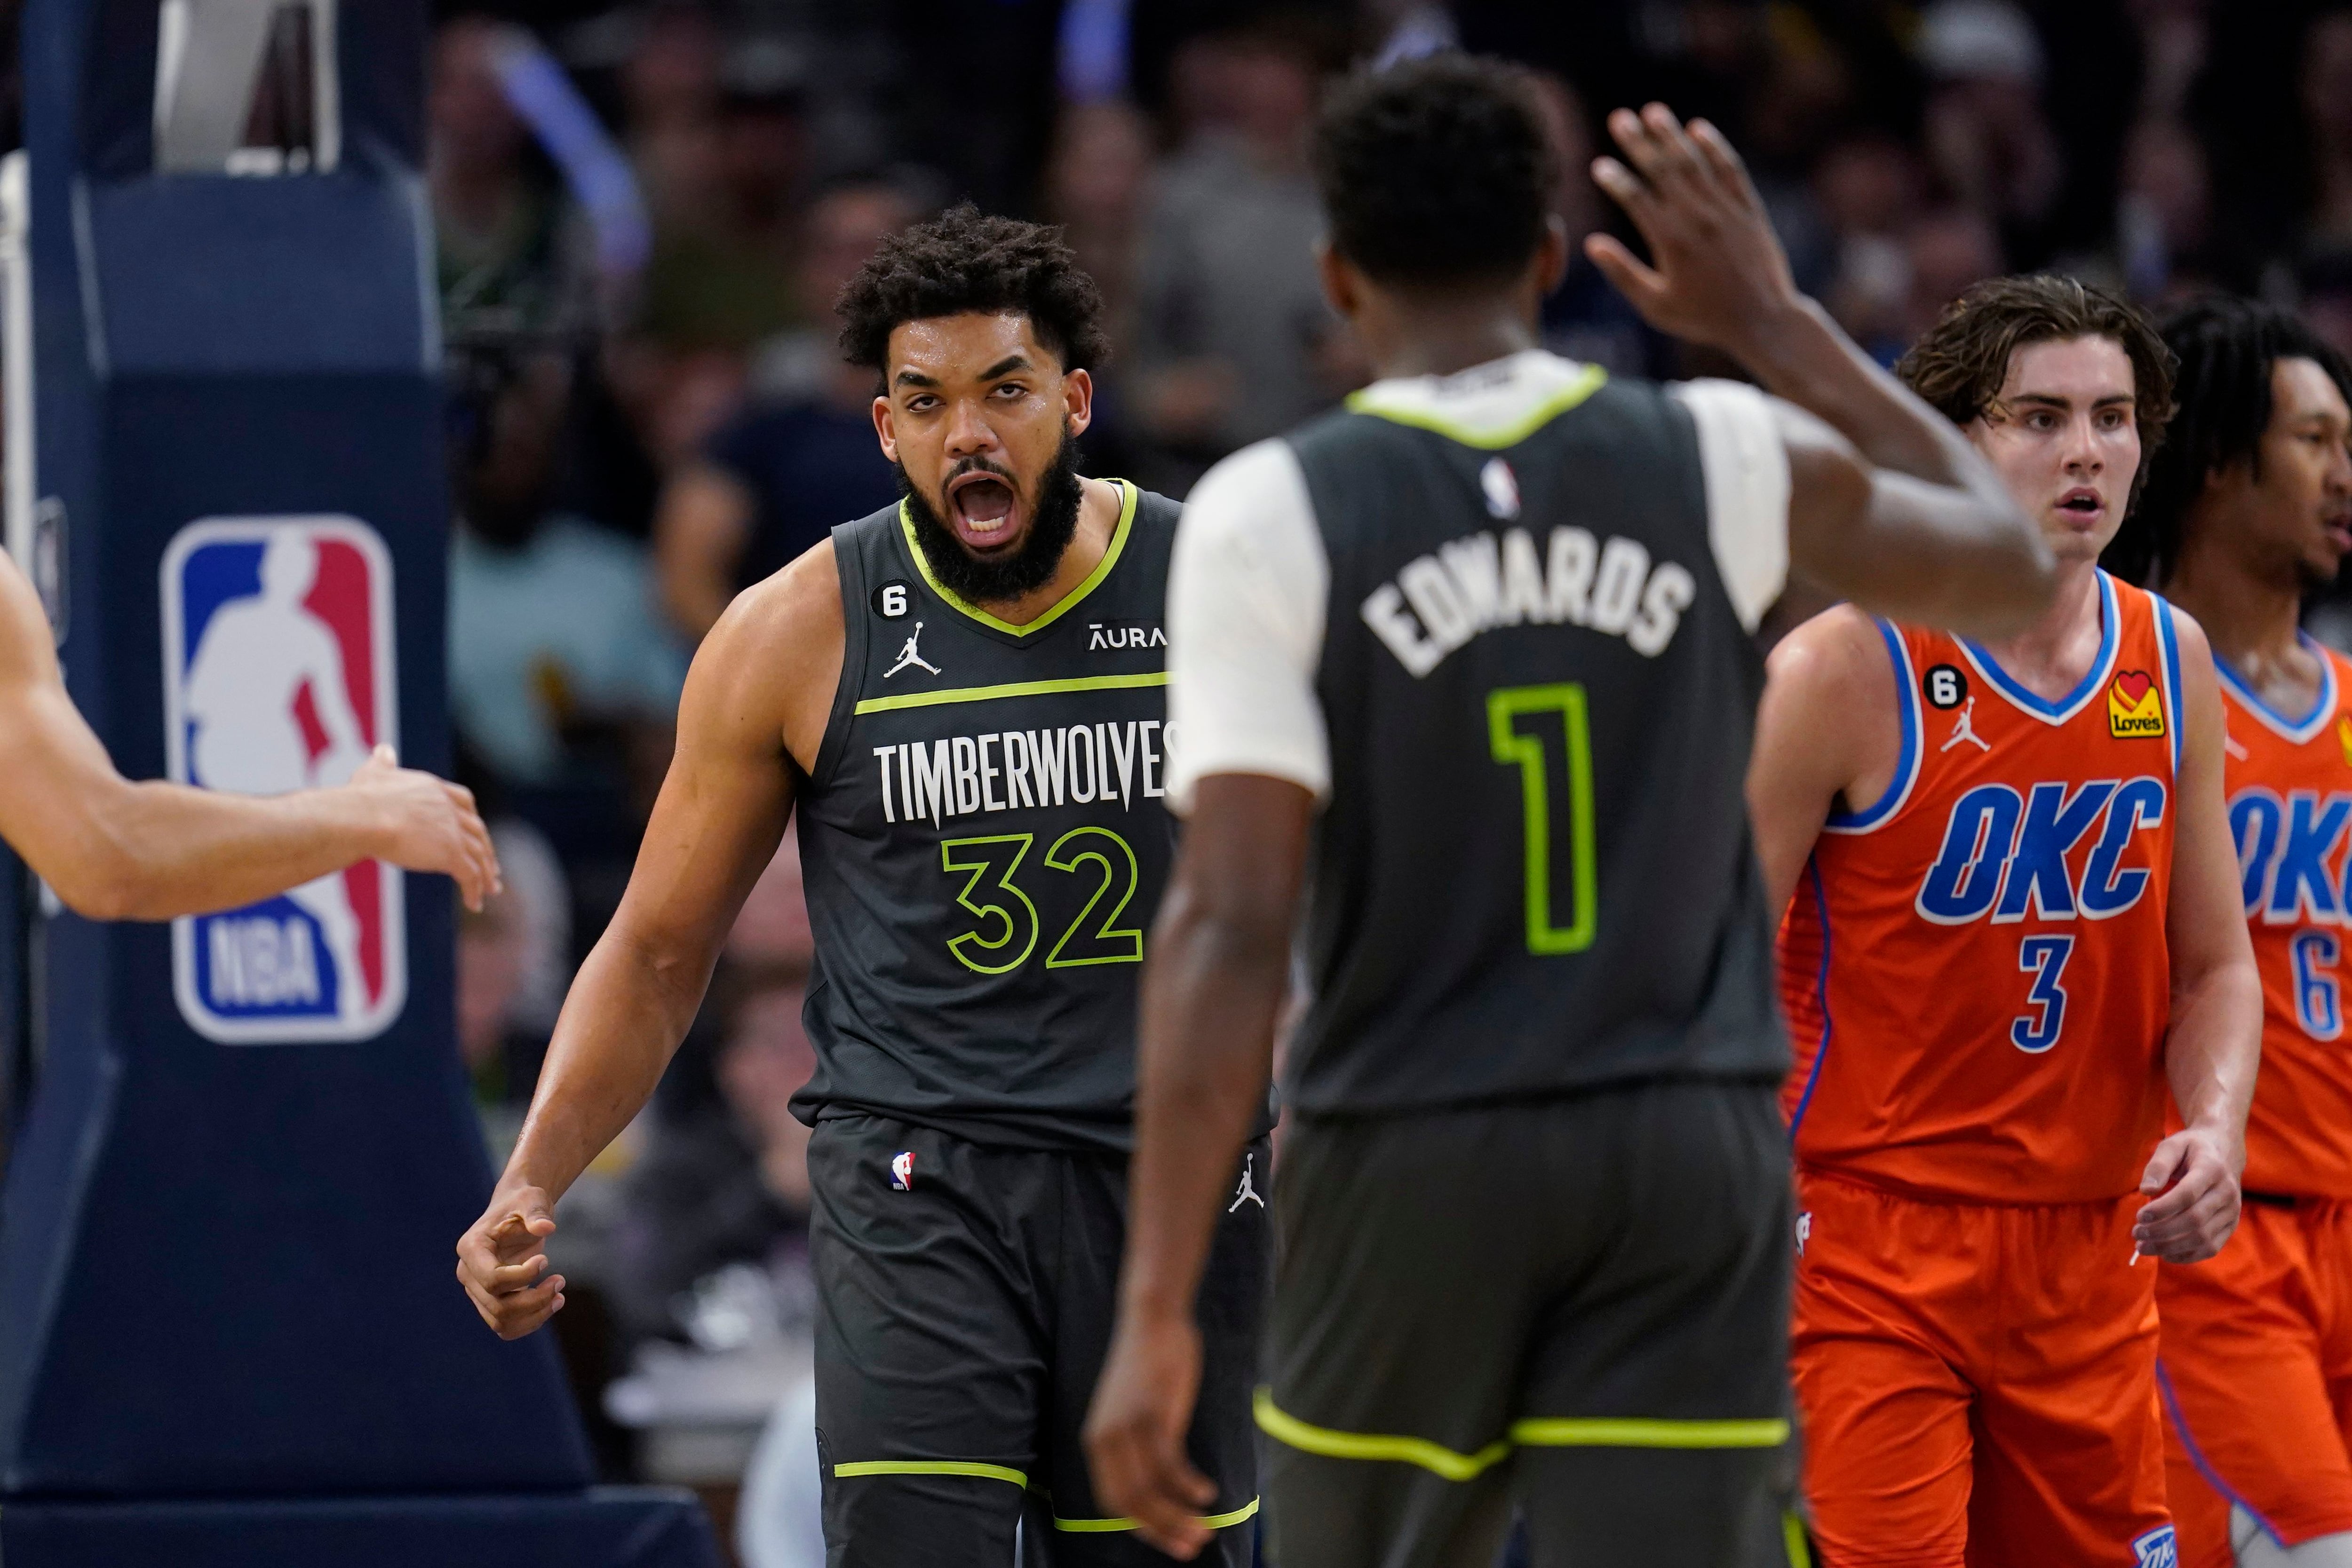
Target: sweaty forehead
[2077,371]
[948,349]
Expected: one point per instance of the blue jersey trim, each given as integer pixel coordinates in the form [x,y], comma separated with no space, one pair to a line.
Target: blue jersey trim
[1906,768]
[2197,1455]
[2169,649]
[2070,705]
[1821,1000]
[2298,730]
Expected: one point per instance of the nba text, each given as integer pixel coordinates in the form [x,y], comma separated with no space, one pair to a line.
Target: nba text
[1475,583]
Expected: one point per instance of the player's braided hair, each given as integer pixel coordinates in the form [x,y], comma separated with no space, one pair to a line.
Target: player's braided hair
[2227,348]
[1435,172]
[1959,364]
[963,261]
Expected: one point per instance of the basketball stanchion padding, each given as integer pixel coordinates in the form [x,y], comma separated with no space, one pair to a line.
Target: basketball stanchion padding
[229,1328]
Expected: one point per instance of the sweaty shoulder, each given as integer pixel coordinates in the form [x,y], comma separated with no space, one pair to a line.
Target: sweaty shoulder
[771,663]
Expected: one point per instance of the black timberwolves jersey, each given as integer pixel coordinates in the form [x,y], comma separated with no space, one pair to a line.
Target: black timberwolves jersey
[1535,874]
[985,842]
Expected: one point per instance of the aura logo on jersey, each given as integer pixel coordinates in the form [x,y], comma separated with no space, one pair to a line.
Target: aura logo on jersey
[2005,854]
[278,676]
[2135,708]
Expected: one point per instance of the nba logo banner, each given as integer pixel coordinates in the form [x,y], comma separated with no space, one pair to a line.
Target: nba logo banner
[278,675]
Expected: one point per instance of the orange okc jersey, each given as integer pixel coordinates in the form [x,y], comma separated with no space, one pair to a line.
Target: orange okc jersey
[1974,965]
[2290,786]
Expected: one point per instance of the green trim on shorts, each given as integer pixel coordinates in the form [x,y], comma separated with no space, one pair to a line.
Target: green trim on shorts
[1623,1432]
[1793,1531]
[1559,1432]
[1109,1526]
[1285,1427]
[931,1468]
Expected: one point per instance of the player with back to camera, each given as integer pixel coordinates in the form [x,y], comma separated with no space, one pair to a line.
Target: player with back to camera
[1479,646]
[2015,924]
[115,849]
[962,696]
[2248,508]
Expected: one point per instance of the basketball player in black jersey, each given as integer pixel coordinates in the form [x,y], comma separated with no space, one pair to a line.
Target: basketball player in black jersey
[1478,648]
[962,698]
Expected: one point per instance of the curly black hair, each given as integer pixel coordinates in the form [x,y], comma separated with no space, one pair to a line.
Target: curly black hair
[1436,173]
[2227,348]
[963,261]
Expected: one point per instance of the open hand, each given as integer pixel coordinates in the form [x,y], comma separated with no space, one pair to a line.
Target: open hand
[2192,1182]
[1716,271]
[1135,1434]
[431,825]
[500,1261]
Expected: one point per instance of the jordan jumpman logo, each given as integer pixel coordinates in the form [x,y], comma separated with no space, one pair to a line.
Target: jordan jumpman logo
[907,655]
[1247,1191]
[1965,729]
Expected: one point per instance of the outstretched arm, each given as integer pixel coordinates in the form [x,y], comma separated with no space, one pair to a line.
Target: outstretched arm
[114,850]
[2215,1041]
[1889,505]
[757,697]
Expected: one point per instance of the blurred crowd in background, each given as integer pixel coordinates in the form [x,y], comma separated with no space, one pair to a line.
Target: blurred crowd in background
[643,214]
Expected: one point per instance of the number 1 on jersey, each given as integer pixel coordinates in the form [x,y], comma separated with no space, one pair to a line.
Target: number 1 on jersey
[2045,958]
[1562,900]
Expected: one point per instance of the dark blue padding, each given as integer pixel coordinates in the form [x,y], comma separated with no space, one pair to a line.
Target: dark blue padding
[225,1271]
[322,273]
[605,1527]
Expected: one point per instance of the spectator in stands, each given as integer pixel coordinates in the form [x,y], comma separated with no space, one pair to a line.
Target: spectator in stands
[2327,117]
[722,274]
[557,664]
[776,479]
[1231,320]
[1988,136]
[1586,318]
[513,260]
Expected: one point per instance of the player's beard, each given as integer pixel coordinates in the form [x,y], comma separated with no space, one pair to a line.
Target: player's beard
[1051,527]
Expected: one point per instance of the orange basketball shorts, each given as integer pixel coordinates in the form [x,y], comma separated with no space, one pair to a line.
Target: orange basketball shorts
[2257,1381]
[1977,1382]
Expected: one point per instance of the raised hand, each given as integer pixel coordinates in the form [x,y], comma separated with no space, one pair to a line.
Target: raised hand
[430,824]
[1716,271]
[500,1261]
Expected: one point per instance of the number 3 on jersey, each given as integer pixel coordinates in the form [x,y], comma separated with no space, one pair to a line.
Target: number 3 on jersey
[1532,726]
[2045,958]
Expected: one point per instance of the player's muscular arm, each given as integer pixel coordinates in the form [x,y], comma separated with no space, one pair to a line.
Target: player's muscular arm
[1212,985]
[751,718]
[2215,1041]
[1827,730]
[115,849]
[1889,505]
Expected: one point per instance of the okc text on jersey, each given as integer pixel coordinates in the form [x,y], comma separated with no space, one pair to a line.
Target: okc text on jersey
[2005,854]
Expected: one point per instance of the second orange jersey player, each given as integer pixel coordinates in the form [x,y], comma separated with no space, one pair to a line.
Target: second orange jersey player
[2013,938]
[2249,511]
